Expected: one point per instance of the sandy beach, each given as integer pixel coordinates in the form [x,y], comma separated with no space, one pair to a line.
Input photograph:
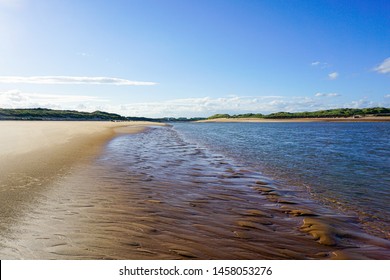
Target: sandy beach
[257,120]
[25,144]
[34,154]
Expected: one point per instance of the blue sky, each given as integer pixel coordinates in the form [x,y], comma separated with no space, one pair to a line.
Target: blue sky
[194,58]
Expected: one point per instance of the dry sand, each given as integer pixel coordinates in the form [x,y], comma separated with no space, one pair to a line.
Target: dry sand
[25,144]
[257,120]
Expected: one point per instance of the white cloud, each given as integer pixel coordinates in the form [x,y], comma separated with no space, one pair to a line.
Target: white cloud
[363,103]
[387,96]
[333,94]
[206,106]
[18,99]
[384,67]
[333,75]
[50,80]
[320,64]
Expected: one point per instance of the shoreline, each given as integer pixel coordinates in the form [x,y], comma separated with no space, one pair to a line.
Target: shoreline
[258,120]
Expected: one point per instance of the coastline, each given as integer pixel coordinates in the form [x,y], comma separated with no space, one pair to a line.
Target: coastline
[257,120]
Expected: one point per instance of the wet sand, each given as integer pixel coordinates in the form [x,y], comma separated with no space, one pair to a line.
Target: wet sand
[257,120]
[168,199]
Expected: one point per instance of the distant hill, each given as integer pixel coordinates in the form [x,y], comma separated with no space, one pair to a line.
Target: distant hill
[48,114]
[333,113]
[69,115]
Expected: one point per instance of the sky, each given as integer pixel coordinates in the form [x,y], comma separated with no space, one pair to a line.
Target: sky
[194,58]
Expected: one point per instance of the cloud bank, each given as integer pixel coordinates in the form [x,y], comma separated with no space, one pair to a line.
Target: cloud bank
[207,106]
[184,107]
[53,80]
[18,99]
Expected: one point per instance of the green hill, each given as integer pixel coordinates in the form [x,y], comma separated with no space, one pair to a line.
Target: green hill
[333,113]
[48,114]
[69,115]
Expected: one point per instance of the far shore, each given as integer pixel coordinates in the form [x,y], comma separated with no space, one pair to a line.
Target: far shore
[258,120]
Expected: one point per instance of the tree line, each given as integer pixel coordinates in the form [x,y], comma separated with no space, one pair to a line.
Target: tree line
[332,113]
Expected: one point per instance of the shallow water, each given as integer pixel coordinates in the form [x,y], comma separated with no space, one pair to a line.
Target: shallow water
[157,195]
[344,165]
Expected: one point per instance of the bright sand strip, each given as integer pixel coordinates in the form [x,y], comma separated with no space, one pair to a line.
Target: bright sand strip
[26,144]
[33,153]
[258,120]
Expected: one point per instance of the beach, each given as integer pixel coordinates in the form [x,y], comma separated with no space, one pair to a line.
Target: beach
[35,154]
[85,190]
[39,149]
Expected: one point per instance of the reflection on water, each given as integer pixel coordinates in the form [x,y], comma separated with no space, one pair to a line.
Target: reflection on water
[154,195]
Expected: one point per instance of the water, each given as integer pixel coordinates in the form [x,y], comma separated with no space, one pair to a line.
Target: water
[343,165]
